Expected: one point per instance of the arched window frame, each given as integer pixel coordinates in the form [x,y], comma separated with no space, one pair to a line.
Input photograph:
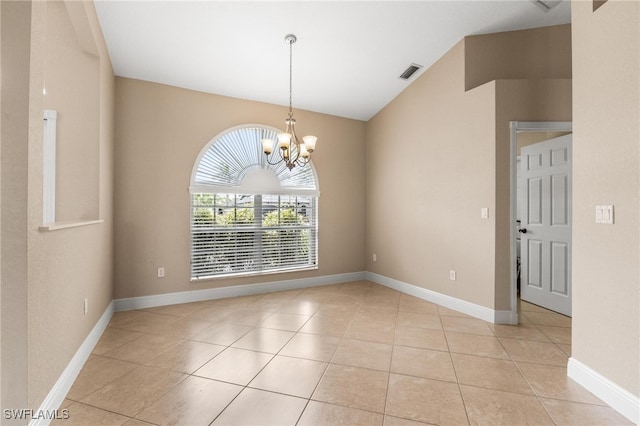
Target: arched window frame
[254,179]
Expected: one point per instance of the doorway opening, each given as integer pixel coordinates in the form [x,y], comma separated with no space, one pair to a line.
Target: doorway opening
[529,134]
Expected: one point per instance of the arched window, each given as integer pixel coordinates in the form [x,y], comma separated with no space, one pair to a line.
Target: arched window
[247,216]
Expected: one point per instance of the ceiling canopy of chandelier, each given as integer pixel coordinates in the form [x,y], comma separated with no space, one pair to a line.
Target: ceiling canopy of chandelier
[290,150]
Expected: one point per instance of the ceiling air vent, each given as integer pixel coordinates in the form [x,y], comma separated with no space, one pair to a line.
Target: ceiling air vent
[406,75]
[546,5]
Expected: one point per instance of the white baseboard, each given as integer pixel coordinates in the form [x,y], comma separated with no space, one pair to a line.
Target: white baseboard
[231,291]
[477,311]
[505,317]
[481,312]
[618,398]
[58,393]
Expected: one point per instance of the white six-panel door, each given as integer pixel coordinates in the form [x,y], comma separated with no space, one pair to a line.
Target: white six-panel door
[546,224]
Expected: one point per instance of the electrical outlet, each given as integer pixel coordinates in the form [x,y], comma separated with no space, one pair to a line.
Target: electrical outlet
[452,275]
[161,272]
[86,306]
[375,258]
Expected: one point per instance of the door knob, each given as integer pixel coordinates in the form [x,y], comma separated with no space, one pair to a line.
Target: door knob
[522,230]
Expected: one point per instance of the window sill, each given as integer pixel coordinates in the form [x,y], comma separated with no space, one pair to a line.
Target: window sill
[66,225]
[252,274]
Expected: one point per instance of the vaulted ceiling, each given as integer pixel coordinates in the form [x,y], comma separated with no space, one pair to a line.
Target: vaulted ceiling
[347,60]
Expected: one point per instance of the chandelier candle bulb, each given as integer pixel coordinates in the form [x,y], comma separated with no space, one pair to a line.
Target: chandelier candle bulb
[283,140]
[267,146]
[310,142]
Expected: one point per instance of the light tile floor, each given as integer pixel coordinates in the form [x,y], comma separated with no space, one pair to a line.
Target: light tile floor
[355,353]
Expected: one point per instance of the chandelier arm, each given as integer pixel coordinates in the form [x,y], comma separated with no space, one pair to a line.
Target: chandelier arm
[269,162]
[293,160]
[294,141]
[302,161]
[289,163]
[277,161]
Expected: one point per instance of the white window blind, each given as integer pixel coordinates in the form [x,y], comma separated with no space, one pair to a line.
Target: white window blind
[244,234]
[244,222]
[232,156]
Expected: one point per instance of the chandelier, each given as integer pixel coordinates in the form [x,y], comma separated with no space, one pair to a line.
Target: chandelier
[290,150]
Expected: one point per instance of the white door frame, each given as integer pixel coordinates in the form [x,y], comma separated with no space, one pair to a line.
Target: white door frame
[515,128]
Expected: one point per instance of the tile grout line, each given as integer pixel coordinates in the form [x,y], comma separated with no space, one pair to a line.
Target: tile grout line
[329,363]
[274,355]
[524,376]
[393,348]
[455,372]
[327,367]
[243,386]
[358,308]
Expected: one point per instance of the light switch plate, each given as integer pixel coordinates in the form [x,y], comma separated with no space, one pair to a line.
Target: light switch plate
[604,215]
[484,213]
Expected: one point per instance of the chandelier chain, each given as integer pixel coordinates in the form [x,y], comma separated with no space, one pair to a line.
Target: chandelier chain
[291,79]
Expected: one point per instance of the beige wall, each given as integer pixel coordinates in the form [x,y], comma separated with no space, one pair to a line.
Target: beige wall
[436,155]
[606,275]
[74,91]
[519,100]
[14,97]
[542,53]
[160,131]
[60,268]
[430,169]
